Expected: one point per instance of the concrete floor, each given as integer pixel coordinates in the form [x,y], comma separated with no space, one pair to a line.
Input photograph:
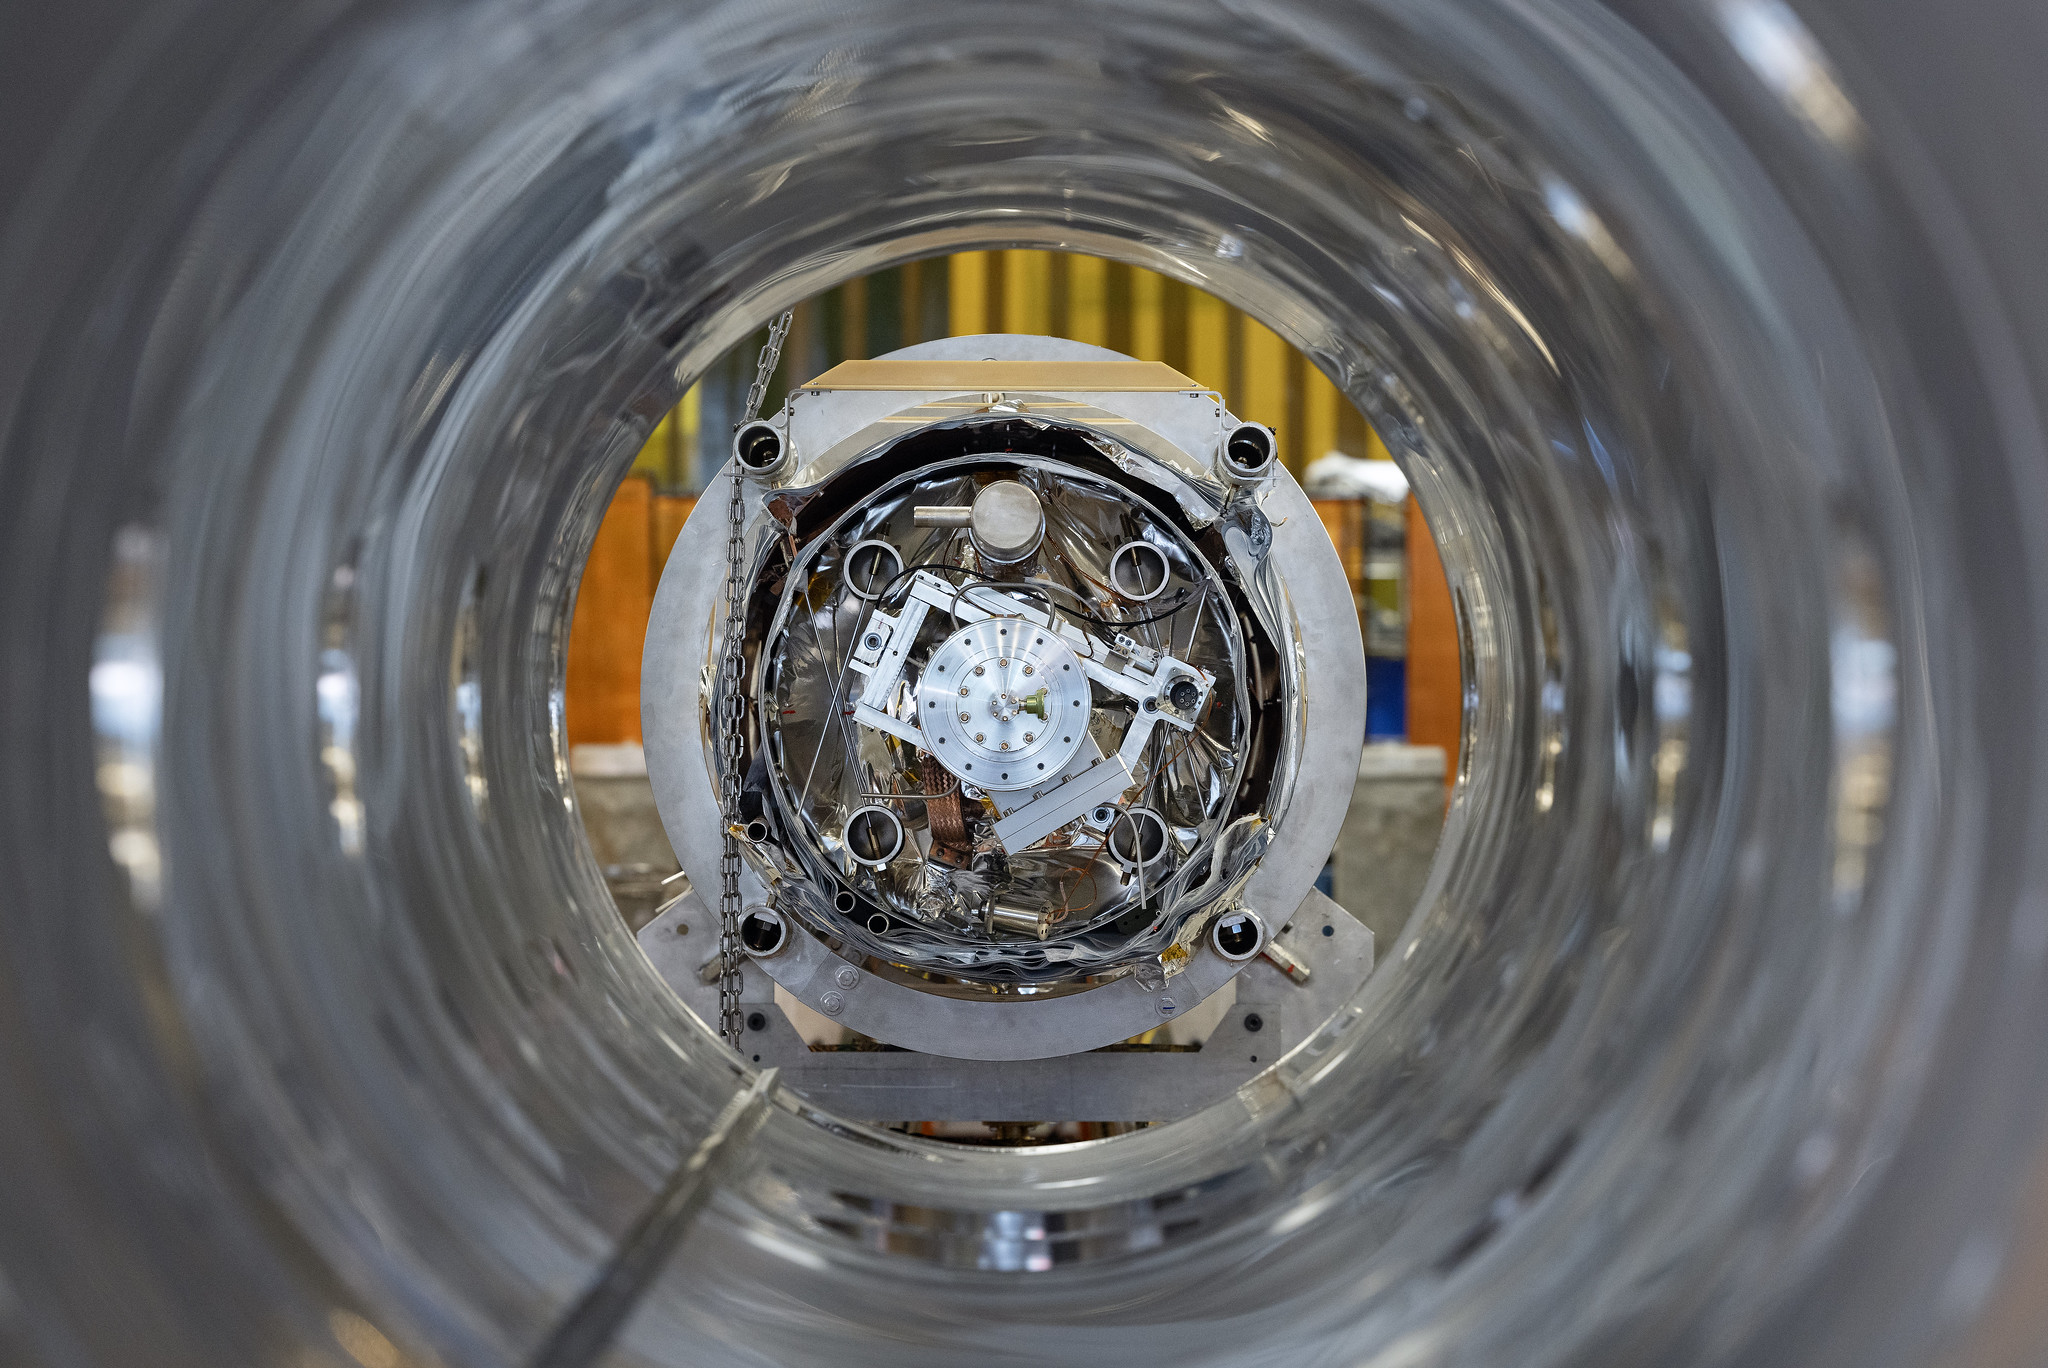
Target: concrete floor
[1382,859]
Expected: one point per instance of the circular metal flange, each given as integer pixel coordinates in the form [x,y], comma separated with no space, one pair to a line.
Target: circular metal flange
[763,932]
[871,566]
[1247,454]
[1003,704]
[760,448]
[873,836]
[1238,936]
[1007,523]
[1139,571]
[1318,779]
[1138,837]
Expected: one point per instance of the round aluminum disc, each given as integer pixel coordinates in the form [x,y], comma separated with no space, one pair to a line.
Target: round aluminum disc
[1004,704]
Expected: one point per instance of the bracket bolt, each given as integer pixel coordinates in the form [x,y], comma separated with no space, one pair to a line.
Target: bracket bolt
[832,1004]
[847,976]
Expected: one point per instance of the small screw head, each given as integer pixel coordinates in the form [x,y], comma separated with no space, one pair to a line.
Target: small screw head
[978,670]
[833,1003]
[1027,737]
[1167,1006]
[966,717]
[1254,1022]
[1006,745]
[1028,670]
[1004,662]
[963,694]
[979,737]
[757,1021]
[847,976]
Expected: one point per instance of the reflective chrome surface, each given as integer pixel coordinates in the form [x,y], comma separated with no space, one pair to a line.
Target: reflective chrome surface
[965,671]
[1711,345]
[933,825]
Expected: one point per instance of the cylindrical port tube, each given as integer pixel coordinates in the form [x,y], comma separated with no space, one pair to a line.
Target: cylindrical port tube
[1238,936]
[759,449]
[871,567]
[873,836]
[1247,454]
[1139,837]
[763,932]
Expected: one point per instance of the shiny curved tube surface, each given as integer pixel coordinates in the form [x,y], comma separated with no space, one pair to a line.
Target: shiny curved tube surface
[1710,339]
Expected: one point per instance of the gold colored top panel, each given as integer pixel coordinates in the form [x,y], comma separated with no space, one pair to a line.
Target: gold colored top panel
[1038,377]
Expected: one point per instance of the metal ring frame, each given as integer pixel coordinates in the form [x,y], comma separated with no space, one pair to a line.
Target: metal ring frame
[1328,649]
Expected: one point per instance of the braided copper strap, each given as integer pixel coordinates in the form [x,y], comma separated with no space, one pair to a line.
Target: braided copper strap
[944,815]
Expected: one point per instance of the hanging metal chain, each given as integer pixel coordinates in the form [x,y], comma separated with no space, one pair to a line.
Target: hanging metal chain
[764,369]
[732,710]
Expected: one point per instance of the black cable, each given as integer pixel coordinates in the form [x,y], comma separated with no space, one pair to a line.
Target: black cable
[1037,591]
[1180,599]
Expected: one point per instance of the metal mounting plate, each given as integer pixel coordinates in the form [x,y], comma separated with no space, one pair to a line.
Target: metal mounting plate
[1099,1085]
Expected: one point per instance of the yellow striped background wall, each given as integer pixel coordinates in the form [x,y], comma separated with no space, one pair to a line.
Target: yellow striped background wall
[1056,294]
[1084,298]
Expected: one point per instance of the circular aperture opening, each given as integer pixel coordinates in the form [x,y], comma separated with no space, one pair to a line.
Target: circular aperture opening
[873,836]
[1249,450]
[1138,837]
[762,931]
[871,567]
[758,447]
[1139,571]
[1237,936]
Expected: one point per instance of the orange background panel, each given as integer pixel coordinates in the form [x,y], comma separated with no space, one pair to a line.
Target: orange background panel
[609,628]
[1436,694]
[671,511]
[1344,520]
